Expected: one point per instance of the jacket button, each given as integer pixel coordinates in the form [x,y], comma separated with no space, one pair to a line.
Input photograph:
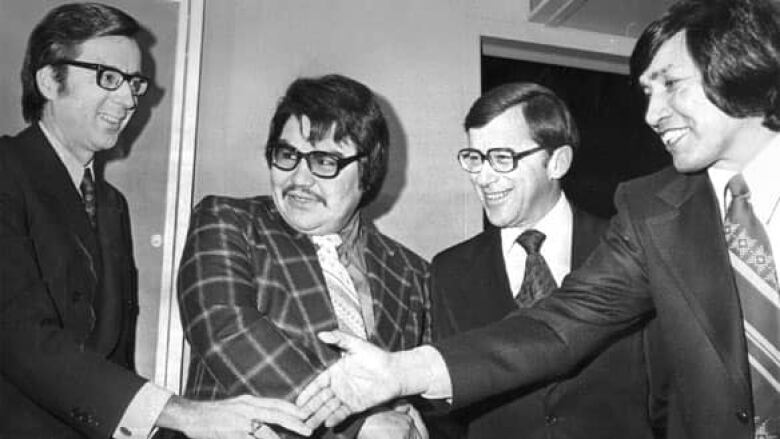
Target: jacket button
[550,419]
[743,416]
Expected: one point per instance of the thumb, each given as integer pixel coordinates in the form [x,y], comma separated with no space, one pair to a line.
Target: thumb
[342,340]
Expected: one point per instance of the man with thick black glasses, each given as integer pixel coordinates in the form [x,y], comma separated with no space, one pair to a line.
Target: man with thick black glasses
[521,143]
[260,276]
[68,299]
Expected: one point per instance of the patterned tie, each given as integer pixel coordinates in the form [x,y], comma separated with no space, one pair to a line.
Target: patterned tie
[538,280]
[343,294]
[88,195]
[756,278]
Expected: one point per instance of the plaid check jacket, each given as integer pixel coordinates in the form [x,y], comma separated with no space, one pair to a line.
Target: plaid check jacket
[252,298]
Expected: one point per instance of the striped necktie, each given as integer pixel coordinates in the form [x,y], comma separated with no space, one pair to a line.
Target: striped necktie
[88,196]
[538,280]
[343,294]
[756,279]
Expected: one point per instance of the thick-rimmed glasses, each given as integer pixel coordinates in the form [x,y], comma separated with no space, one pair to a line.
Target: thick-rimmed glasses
[321,163]
[500,159]
[110,78]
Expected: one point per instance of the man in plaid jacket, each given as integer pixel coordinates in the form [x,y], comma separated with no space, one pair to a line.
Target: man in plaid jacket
[251,287]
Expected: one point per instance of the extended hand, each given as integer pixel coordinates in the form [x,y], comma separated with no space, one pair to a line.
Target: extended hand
[363,378]
[240,417]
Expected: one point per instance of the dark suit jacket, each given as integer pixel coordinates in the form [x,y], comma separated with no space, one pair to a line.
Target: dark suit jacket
[67,300]
[663,252]
[253,297]
[606,399]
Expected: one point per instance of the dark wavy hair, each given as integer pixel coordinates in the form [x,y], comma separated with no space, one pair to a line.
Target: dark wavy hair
[549,121]
[58,37]
[351,109]
[735,44]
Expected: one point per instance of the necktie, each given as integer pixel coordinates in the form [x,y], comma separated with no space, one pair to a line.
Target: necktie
[538,280]
[756,279]
[88,196]
[343,295]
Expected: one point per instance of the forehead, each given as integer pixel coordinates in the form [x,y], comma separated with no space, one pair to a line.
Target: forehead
[672,57]
[507,130]
[116,51]
[297,133]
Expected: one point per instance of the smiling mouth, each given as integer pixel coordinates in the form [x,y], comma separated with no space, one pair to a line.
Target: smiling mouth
[111,120]
[302,197]
[495,197]
[672,137]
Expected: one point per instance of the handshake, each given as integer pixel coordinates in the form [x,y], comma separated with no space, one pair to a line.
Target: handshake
[366,376]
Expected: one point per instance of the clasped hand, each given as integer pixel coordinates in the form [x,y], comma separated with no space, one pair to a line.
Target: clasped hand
[364,377]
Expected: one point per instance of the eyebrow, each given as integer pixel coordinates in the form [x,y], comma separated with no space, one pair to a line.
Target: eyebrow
[645,78]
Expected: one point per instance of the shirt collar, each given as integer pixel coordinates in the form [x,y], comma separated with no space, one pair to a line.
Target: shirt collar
[762,178]
[556,224]
[72,164]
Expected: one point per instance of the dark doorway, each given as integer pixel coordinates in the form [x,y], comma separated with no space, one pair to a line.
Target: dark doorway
[616,145]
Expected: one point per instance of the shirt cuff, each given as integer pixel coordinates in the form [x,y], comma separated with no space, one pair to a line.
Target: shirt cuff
[437,383]
[141,415]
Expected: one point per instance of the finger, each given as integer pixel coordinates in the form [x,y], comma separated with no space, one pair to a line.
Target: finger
[324,412]
[280,405]
[265,432]
[342,340]
[270,416]
[317,385]
[338,415]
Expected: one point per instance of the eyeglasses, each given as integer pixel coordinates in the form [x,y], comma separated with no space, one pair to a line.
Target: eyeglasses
[501,159]
[109,78]
[321,163]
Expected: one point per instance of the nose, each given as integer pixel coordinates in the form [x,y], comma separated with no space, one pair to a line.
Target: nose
[485,176]
[657,109]
[124,95]
[302,175]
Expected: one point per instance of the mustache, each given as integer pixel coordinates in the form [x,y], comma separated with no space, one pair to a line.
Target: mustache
[302,190]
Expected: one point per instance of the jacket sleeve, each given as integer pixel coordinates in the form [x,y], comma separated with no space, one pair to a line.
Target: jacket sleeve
[224,288]
[40,353]
[597,303]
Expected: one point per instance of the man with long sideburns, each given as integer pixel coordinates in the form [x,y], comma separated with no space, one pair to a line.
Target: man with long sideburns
[260,276]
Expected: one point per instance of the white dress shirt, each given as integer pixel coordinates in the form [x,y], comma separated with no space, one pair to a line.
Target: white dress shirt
[556,249]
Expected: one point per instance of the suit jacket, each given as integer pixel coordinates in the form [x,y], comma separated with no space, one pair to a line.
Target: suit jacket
[663,252]
[68,301]
[253,297]
[606,398]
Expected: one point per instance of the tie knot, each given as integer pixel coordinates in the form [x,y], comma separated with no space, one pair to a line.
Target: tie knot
[324,242]
[738,187]
[531,240]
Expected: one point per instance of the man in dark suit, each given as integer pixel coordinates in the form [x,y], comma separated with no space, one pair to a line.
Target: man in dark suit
[260,276]
[522,141]
[692,244]
[68,299]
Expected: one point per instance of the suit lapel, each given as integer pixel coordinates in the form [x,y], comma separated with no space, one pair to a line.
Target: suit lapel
[388,282]
[55,187]
[486,280]
[690,240]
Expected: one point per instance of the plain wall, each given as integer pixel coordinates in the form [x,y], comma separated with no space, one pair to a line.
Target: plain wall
[139,164]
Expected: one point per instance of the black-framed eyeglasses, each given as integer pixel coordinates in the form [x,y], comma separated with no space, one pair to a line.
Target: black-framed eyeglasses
[321,163]
[110,78]
[501,159]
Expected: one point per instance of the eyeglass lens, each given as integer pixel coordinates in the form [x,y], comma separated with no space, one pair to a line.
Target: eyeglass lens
[322,164]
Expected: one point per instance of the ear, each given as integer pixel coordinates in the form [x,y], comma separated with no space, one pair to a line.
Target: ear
[47,83]
[560,162]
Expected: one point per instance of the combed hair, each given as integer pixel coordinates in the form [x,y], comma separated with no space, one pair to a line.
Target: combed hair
[549,120]
[349,108]
[58,37]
